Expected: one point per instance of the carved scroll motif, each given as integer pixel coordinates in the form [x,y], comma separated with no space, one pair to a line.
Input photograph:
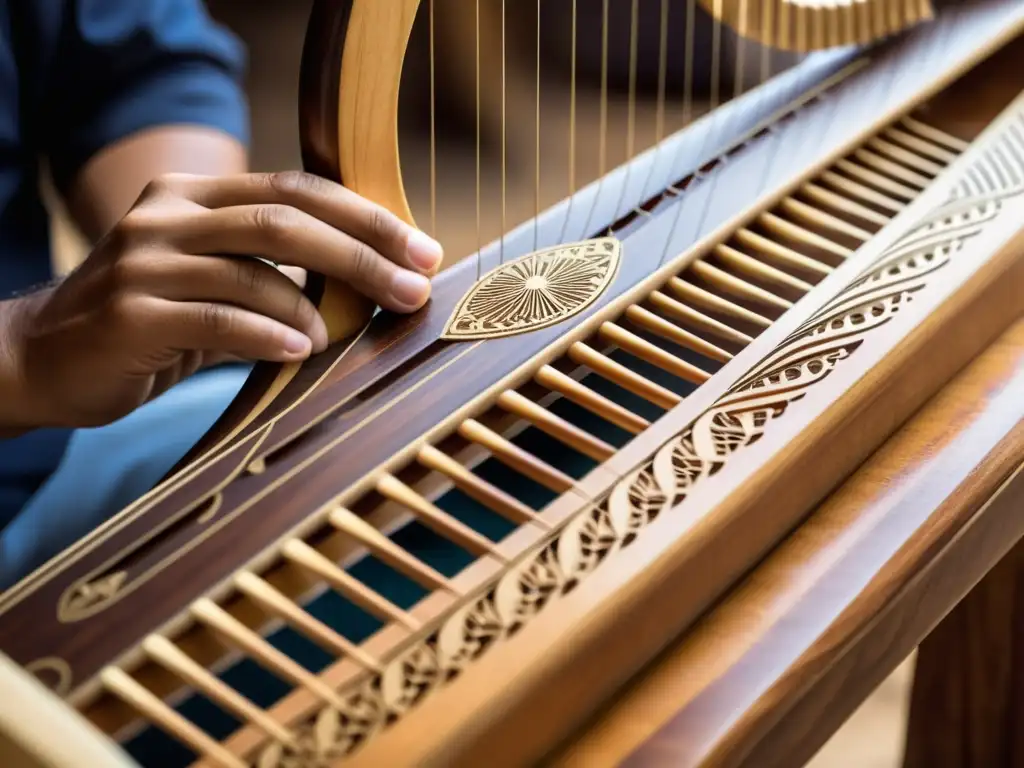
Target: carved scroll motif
[536,290]
[738,419]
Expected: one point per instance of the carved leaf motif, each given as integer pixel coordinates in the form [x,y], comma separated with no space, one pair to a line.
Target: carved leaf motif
[536,291]
[87,595]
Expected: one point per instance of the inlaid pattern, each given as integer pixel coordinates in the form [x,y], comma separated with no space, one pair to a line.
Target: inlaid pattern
[555,567]
[536,290]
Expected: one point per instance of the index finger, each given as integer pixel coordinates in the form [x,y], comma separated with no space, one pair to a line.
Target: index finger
[331,203]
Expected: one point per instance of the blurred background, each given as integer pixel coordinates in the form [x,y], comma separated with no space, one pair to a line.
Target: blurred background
[273,31]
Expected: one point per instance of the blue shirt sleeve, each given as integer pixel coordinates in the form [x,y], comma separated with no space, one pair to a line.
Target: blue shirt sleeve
[126,65]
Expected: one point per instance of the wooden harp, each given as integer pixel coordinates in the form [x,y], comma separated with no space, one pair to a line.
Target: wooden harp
[639,397]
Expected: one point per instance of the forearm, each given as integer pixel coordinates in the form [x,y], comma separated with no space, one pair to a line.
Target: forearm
[112,181]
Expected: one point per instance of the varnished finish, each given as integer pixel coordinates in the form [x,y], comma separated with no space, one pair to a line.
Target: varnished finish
[774,670]
[968,691]
[370,380]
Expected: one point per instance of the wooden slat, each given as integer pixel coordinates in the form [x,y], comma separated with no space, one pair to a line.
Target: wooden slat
[708,300]
[584,396]
[751,267]
[736,287]
[643,349]
[511,454]
[556,426]
[846,205]
[627,379]
[685,314]
[672,332]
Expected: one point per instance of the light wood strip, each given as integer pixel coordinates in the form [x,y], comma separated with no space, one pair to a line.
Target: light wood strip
[708,300]
[877,180]
[653,354]
[865,193]
[623,376]
[922,147]
[170,656]
[556,426]
[278,603]
[381,546]
[891,168]
[785,228]
[748,265]
[905,156]
[679,311]
[846,205]
[737,287]
[153,709]
[216,618]
[780,254]
[672,332]
[436,518]
[935,135]
[300,553]
[817,217]
[511,454]
[587,398]
[473,486]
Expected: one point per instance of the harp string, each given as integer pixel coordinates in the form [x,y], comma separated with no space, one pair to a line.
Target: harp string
[659,117]
[631,102]
[433,129]
[602,139]
[504,175]
[536,171]
[572,124]
[479,238]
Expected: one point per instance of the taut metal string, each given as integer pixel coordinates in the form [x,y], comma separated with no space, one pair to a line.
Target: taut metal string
[631,113]
[602,149]
[501,258]
[572,127]
[433,131]
[536,171]
[479,238]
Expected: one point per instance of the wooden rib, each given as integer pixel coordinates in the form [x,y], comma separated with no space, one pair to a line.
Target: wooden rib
[653,354]
[737,287]
[748,265]
[511,454]
[905,156]
[672,332]
[623,376]
[844,204]
[877,180]
[935,135]
[891,168]
[587,398]
[922,147]
[216,618]
[436,518]
[715,303]
[381,546]
[788,229]
[152,708]
[865,193]
[821,218]
[303,555]
[476,488]
[170,656]
[780,254]
[278,603]
[556,426]
[685,314]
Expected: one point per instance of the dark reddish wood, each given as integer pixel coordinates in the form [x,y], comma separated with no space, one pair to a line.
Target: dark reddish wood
[968,696]
[399,353]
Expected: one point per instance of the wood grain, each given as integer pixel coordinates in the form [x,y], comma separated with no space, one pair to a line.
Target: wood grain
[773,671]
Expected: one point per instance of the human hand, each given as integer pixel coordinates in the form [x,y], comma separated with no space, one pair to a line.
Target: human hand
[173,286]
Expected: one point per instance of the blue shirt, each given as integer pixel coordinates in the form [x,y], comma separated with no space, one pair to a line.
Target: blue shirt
[75,77]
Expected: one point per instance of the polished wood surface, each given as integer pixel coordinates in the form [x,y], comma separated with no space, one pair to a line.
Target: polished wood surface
[968,694]
[776,668]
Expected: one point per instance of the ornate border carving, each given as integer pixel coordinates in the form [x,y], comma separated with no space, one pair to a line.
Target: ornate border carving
[559,563]
[536,290]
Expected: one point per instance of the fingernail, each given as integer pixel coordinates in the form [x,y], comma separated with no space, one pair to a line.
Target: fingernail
[296,343]
[410,289]
[424,251]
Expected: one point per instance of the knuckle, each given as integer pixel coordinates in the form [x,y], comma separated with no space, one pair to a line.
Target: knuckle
[289,183]
[216,319]
[165,185]
[362,261]
[383,225]
[274,220]
[249,275]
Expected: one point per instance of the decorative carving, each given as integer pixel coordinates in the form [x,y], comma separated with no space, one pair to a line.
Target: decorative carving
[738,419]
[83,598]
[535,291]
[52,672]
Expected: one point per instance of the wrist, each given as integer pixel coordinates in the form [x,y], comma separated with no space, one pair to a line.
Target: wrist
[18,413]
